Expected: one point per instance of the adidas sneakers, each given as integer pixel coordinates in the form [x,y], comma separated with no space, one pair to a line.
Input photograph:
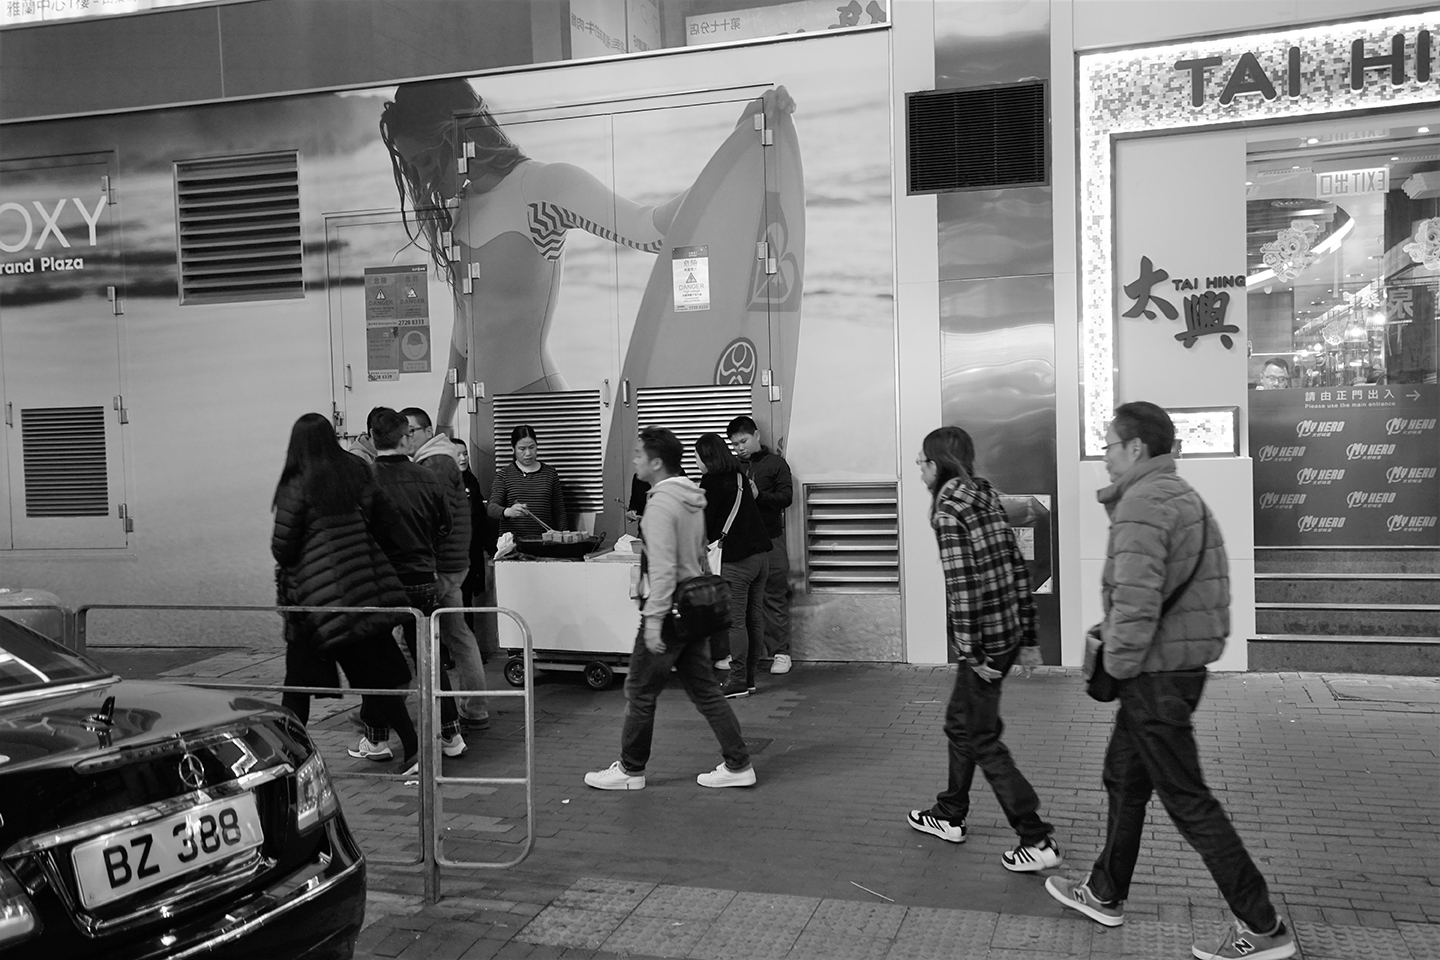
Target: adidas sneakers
[927,821]
[1028,858]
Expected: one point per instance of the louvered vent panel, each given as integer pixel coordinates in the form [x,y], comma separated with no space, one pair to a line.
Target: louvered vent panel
[239,229]
[64,462]
[568,428]
[852,537]
[980,138]
[691,411]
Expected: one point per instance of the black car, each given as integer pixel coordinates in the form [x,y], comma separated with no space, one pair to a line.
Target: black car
[143,820]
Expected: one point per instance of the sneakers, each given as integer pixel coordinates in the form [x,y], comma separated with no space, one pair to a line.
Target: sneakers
[614,777]
[478,724]
[1242,943]
[734,689]
[722,664]
[723,776]
[453,746]
[410,766]
[926,821]
[1076,895]
[781,663]
[1030,858]
[365,750]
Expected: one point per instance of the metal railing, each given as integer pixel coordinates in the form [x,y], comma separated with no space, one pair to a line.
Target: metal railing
[427,666]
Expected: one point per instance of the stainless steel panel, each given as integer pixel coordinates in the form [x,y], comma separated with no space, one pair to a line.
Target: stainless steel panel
[997,342]
[996,233]
[980,42]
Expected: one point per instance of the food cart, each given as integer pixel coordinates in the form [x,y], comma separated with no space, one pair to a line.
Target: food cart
[581,612]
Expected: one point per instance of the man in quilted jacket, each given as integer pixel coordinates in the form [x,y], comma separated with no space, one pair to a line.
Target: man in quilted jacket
[1165,543]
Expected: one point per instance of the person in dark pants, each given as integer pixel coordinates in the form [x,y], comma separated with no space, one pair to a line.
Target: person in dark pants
[1166,593]
[475,590]
[674,533]
[774,490]
[991,619]
[331,525]
[422,522]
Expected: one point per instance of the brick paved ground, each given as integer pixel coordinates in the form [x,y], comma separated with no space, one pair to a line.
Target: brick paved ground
[1333,782]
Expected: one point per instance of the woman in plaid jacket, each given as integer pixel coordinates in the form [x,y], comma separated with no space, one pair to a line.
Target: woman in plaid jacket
[991,619]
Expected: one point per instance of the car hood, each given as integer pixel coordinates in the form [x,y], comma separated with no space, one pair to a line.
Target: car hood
[65,728]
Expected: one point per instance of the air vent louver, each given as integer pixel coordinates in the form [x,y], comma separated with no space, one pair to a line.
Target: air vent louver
[692,411]
[852,537]
[568,429]
[239,222]
[63,450]
[980,138]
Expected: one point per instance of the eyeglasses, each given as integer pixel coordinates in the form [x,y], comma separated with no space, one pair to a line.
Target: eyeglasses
[1117,443]
[920,462]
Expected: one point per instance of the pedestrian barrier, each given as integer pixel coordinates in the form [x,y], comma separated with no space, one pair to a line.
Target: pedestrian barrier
[430,857]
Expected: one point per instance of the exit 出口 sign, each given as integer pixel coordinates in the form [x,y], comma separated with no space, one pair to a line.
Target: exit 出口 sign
[1352,183]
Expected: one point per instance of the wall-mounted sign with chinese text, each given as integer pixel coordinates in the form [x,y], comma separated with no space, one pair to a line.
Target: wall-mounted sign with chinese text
[1347,466]
[803,16]
[397,321]
[1204,309]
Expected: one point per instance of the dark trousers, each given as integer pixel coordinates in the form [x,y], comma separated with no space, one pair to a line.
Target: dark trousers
[649,672]
[777,598]
[973,728]
[746,580]
[1153,749]
[426,598]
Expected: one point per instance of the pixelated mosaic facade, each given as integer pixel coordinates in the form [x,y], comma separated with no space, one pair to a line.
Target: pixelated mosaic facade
[1140,91]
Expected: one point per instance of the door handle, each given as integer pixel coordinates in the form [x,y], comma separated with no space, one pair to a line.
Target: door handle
[625,391]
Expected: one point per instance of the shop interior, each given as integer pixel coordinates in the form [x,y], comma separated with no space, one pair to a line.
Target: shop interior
[1343,254]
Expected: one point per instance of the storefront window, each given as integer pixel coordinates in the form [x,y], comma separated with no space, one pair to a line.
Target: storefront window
[1343,251]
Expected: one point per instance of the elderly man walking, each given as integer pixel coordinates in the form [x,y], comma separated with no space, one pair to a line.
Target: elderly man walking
[1167,613]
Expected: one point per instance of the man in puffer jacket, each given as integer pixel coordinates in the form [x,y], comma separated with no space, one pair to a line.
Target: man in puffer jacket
[436,453]
[1161,533]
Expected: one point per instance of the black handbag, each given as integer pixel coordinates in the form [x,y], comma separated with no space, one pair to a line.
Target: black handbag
[699,607]
[1100,684]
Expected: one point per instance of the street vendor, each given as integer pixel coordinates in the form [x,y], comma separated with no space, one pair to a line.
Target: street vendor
[526,494]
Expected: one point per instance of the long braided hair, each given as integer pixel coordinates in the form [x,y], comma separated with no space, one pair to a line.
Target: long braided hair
[432,111]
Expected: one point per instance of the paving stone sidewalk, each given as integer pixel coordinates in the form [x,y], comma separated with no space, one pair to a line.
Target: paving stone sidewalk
[1332,781]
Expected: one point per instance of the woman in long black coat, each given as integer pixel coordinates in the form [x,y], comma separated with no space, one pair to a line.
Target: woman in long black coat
[331,520]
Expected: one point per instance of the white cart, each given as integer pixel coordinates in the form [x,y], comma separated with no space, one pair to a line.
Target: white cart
[581,615]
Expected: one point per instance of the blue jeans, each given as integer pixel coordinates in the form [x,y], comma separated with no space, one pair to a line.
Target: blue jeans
[1152,749]
[460,641]
[649,672]
[777,598]
[973,728]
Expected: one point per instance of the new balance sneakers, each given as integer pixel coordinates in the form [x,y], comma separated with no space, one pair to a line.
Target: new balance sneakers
[781,663]
[723,776]
[453,746]
[1242,943]
[1029,858]
[928,821]
[366,750]
[614,777]
[1076,895]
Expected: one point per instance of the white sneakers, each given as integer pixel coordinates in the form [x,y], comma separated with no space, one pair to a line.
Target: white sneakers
[781,663]
[723,664]
[1031,858]
[614,777]
[453,746]
[723,776]
[366,750]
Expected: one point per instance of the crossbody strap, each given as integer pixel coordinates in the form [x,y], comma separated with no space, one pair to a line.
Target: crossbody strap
[739,492]
[1174,598]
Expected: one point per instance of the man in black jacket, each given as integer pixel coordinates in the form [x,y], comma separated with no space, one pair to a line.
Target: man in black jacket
[774,490]
[422,523]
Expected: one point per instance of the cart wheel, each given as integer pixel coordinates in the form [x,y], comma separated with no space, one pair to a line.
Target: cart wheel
[598,676]
[515,671]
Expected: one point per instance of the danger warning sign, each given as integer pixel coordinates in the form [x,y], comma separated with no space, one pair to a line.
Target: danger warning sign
[691,269]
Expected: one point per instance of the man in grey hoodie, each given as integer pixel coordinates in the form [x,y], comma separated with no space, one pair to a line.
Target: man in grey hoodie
[673,529]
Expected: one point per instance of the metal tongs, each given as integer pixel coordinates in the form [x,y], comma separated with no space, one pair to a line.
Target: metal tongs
[537,519]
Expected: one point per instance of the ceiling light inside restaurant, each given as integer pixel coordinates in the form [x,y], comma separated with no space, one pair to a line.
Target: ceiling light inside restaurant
[1313,140]
[1422,129]
[1376,319]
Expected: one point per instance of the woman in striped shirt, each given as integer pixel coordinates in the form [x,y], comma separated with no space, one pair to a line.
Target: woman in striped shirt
[527,486]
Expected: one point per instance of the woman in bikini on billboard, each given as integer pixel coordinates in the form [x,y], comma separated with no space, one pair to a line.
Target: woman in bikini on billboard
[508,215]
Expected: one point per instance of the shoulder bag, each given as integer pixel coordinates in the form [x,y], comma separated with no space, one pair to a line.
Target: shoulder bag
[714,551]
[699,607]
[1099,683]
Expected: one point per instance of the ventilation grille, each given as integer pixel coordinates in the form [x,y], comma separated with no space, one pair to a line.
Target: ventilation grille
[691,411]
[852,537]
[568,428]
[65,465]
[979,138]
[239,229]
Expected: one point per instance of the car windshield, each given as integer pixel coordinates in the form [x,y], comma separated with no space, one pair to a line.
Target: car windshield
[31,661]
